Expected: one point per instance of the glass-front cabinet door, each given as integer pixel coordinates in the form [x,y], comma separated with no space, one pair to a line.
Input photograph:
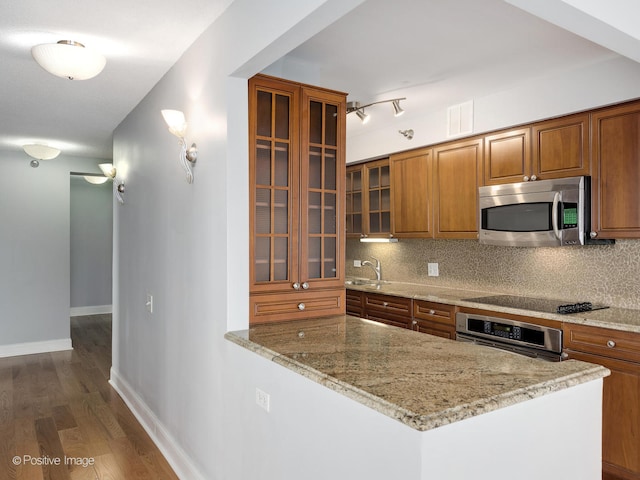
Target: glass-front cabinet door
[273,170]
[322,174]
[379,198]
[354,201]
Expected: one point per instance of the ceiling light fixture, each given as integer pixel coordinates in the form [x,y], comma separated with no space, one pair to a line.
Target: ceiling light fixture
[359,109]
[408,134]
[178,126]
[109,171]
[95,179]
[69,59]
[40,152]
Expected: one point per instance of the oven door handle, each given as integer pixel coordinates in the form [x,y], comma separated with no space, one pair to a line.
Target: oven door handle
[554,215]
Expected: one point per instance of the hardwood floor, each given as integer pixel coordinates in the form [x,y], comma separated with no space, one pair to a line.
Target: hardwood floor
[60,419]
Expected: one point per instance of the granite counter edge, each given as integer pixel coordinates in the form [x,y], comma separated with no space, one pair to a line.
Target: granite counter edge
[411,419]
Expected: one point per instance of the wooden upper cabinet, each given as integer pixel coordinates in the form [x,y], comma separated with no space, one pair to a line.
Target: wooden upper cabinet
[411,193]
[354,191]
[507,157]
[561,147]
[615,152]
[457,175]
[377,198]
[556,148]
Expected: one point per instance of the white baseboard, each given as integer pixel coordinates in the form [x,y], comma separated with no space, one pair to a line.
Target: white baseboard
[175,455]
[94,310]
[30,348]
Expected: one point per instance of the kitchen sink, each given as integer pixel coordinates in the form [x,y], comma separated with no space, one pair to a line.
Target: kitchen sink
[365,282]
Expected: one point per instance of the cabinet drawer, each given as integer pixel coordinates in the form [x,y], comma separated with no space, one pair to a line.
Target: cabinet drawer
[389,319]
[354,303]
[432,328]
[294,306]
[434,312]
[602,341]
[387,304]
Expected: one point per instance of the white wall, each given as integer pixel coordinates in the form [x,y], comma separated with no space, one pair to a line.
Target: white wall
[91,246]
[34,252]
[614,79]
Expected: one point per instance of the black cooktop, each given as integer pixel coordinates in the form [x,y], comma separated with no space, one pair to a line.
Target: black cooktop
[543,305]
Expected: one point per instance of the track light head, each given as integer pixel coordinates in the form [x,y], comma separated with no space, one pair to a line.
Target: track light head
[397,109]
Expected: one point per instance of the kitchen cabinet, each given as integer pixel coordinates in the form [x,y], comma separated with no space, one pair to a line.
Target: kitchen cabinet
[615,154]
[619,352]
[555,148]
[378,198]
[412,194]
[387,309]
[457,176]
[434,318]
[354,303]
[354,201]
[297,172]
[507,157]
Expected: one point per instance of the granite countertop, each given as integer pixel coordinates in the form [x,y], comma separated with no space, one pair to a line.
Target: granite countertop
[418,379]
[615,318]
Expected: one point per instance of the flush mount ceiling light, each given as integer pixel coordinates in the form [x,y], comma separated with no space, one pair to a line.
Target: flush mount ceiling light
[69,59]
[178,126]
[359,109]
[40,152]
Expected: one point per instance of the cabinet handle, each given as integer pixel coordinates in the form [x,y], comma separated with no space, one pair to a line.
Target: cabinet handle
[432,312]
[414,322]
[305,286]
[593,234]
[564,356]
[296,286]
[611,344]
[301,334]
[533,178]
[301,306]
[525,178]
[385,304]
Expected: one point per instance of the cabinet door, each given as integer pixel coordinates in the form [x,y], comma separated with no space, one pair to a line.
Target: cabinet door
[411,194]
[561,147]
[378,200]
[354,201]
[616,172]
[457,172]
[273,168]
[507,157]
[322,175]
[620,417]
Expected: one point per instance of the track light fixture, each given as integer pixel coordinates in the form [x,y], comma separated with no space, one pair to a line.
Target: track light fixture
[359,109]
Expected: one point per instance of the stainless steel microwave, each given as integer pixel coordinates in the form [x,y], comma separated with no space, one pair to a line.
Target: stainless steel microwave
[541,213]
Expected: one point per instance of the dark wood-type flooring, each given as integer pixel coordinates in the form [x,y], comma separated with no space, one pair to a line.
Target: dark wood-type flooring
[59,408]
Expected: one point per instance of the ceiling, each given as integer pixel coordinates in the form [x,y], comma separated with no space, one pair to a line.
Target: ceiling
[438,51]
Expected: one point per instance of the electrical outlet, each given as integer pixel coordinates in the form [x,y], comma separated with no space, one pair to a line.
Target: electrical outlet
[149,303]
[432,270]
[357,263]
[263,399]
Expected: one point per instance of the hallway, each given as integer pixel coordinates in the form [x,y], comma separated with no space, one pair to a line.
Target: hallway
[60,418]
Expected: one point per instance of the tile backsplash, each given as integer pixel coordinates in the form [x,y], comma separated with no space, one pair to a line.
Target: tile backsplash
[608,274]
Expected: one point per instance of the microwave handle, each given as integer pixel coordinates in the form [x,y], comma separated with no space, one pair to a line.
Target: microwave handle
[554,215]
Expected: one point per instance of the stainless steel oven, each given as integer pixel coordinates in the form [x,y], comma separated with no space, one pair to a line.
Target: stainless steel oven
[519,337]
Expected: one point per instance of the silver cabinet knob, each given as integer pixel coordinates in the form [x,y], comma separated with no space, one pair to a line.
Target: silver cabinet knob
[305,286]
[432,312]
[414,322]
[564,356]
[301,306]
[385,304]
[611,344]
[301,334]
[593,234]
[525,178]
[533,178]
[296,286]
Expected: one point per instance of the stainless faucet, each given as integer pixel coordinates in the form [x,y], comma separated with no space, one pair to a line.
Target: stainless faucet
[375,267]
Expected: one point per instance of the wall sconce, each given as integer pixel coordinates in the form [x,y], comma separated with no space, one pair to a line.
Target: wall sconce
[40,152]
[408,134]
[109,171]
[359,109]
[69,59]
[178,126]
